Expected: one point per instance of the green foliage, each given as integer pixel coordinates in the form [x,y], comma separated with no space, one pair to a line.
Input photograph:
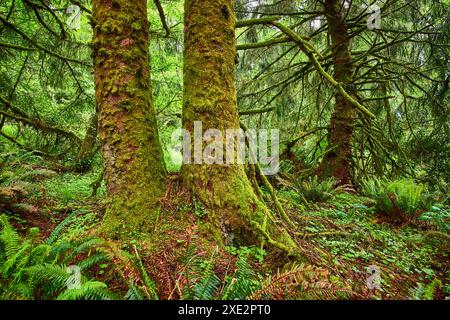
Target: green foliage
[438,216]
[412,125]
[134,293]
[90,290]
[204,284]
[398,196]
[57,231]
[351,234]
[301,281]
[243,282]
[426,292]
[16,165]
[30,269]
[256,252]
[199,210]
[70,187]
[316,190]
[150,285]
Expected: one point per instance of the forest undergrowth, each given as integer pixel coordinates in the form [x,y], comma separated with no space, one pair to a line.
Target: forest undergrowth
[51,221]
[313,159]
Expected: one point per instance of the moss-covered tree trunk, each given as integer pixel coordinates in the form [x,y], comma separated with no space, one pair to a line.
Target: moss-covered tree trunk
[336,163]
[210,97]
[86,151]
[134,168]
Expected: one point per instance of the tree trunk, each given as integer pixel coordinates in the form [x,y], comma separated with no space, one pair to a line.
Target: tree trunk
[86,151]
[336,163]
[210,97]
[134,167]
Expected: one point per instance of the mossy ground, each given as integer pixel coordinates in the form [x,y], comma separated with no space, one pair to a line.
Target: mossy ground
[342,236]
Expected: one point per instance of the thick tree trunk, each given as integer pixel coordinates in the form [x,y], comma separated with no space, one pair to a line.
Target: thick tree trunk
[134,166]
[210,97]
[336,163]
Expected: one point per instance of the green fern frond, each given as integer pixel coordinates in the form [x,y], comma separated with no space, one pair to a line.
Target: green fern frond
[243,282]
[206,288]
[147,280]
[134,293]
[52,277]
[91,290]
[39,254]
[313,189]
[9,238]
[92,260]
[85,245]
[17,260]
[204,283]
[402,195]
[57,231]
[60,248]
[28,268]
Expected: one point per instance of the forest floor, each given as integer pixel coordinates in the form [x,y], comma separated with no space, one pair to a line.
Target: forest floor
[339,239]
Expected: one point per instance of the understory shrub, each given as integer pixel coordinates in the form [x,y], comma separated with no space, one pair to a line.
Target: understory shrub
[398,197]
[315,190]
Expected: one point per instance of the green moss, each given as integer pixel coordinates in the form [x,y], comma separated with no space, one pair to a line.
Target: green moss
[136,26]
[135,172]
[210,97]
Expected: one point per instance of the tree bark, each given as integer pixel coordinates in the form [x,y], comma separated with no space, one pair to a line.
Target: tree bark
[336,163]
[134,167]
[87,147]
[210,97]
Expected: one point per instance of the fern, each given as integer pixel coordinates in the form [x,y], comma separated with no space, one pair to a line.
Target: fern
[50,277]
[243,282]
[60,248]
[301,282]
[206,287]
[9,239]
[203,283]
[29,269]
[57,231]
[83,246]
[316,190]
[17,260]
[428,291]
[91,290]
[150,285]
[92,261]
[134,293]
[396,197]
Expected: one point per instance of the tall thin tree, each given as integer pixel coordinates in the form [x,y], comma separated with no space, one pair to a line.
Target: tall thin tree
[336,163]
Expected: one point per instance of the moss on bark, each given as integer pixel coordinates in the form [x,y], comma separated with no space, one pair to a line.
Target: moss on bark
[86,151]
[134,168]
[210,97]
[336,162]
